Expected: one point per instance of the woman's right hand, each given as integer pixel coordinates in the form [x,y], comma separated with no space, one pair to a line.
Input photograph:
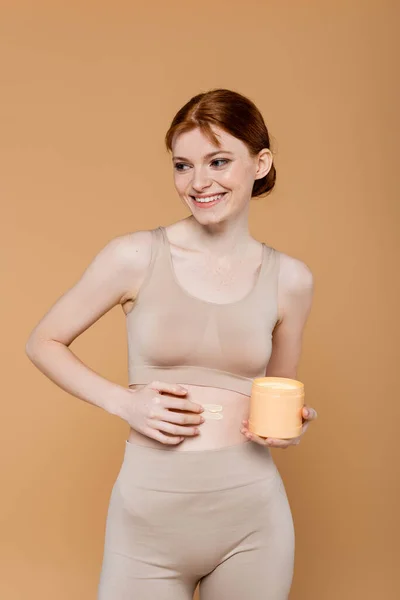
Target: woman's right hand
[161,412]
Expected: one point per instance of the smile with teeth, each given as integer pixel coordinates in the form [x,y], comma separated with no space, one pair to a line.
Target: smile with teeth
[208,199]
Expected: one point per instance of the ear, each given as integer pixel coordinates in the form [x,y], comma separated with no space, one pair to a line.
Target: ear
[264,163]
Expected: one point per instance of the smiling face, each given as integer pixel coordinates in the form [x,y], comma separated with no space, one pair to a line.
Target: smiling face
[216,182]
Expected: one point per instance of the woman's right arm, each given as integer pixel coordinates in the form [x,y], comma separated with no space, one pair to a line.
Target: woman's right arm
[113,277]
[114,274]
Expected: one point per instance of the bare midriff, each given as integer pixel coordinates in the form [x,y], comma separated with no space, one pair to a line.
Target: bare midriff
[224,412]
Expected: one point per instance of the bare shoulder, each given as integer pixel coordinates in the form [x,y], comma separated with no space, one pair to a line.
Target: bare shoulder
[295,287]
[131,253]
[113,276]
[295,276]
[132,249]
[120,265]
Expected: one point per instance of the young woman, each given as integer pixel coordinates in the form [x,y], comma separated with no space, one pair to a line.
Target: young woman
[208,308]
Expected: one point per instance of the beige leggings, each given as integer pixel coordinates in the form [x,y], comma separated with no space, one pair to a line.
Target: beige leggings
[218,517]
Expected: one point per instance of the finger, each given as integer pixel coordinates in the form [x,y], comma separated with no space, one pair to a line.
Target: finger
[181,404]
[168,388]
[253,437]
[270,442]
[165,439]
[310,414]
[180,418]
[278,443]
[305,426]
[176,430]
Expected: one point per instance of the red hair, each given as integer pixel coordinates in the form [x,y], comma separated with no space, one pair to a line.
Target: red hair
[233,113]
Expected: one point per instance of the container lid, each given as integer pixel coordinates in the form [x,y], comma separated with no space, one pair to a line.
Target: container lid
[280,385]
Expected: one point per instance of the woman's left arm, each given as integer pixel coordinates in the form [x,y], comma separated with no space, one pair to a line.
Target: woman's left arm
[295,292]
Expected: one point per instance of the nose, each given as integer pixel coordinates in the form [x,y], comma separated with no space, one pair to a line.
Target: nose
[201,179]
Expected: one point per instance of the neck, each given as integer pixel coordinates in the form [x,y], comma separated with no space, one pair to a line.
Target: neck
[223,238]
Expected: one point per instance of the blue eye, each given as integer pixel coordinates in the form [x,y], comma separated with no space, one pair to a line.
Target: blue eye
[217,162]
[220,160]
[178,165]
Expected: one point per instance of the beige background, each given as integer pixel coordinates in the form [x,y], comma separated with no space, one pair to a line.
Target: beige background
[88,90]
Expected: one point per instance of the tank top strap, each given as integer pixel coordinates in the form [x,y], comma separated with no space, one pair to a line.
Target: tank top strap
[155,266]
[158,250]
[162,250]
[162,239]
[270,269]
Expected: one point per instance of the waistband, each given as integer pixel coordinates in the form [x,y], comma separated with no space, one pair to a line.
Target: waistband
[194,375]
[197,471]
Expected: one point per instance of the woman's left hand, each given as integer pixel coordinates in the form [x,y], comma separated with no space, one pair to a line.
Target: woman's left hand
[308,414]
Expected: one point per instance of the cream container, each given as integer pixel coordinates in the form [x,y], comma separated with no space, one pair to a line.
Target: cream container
[276,405]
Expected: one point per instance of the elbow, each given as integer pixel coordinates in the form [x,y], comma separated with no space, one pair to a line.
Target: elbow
[284,374]
[30,348]
[36,346]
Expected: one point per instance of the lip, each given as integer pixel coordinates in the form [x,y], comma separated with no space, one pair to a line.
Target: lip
[205,205]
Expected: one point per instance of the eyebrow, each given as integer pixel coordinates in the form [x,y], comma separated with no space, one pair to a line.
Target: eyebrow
[209,155]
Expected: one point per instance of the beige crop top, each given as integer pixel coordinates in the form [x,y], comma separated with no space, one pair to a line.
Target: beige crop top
[177,338]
